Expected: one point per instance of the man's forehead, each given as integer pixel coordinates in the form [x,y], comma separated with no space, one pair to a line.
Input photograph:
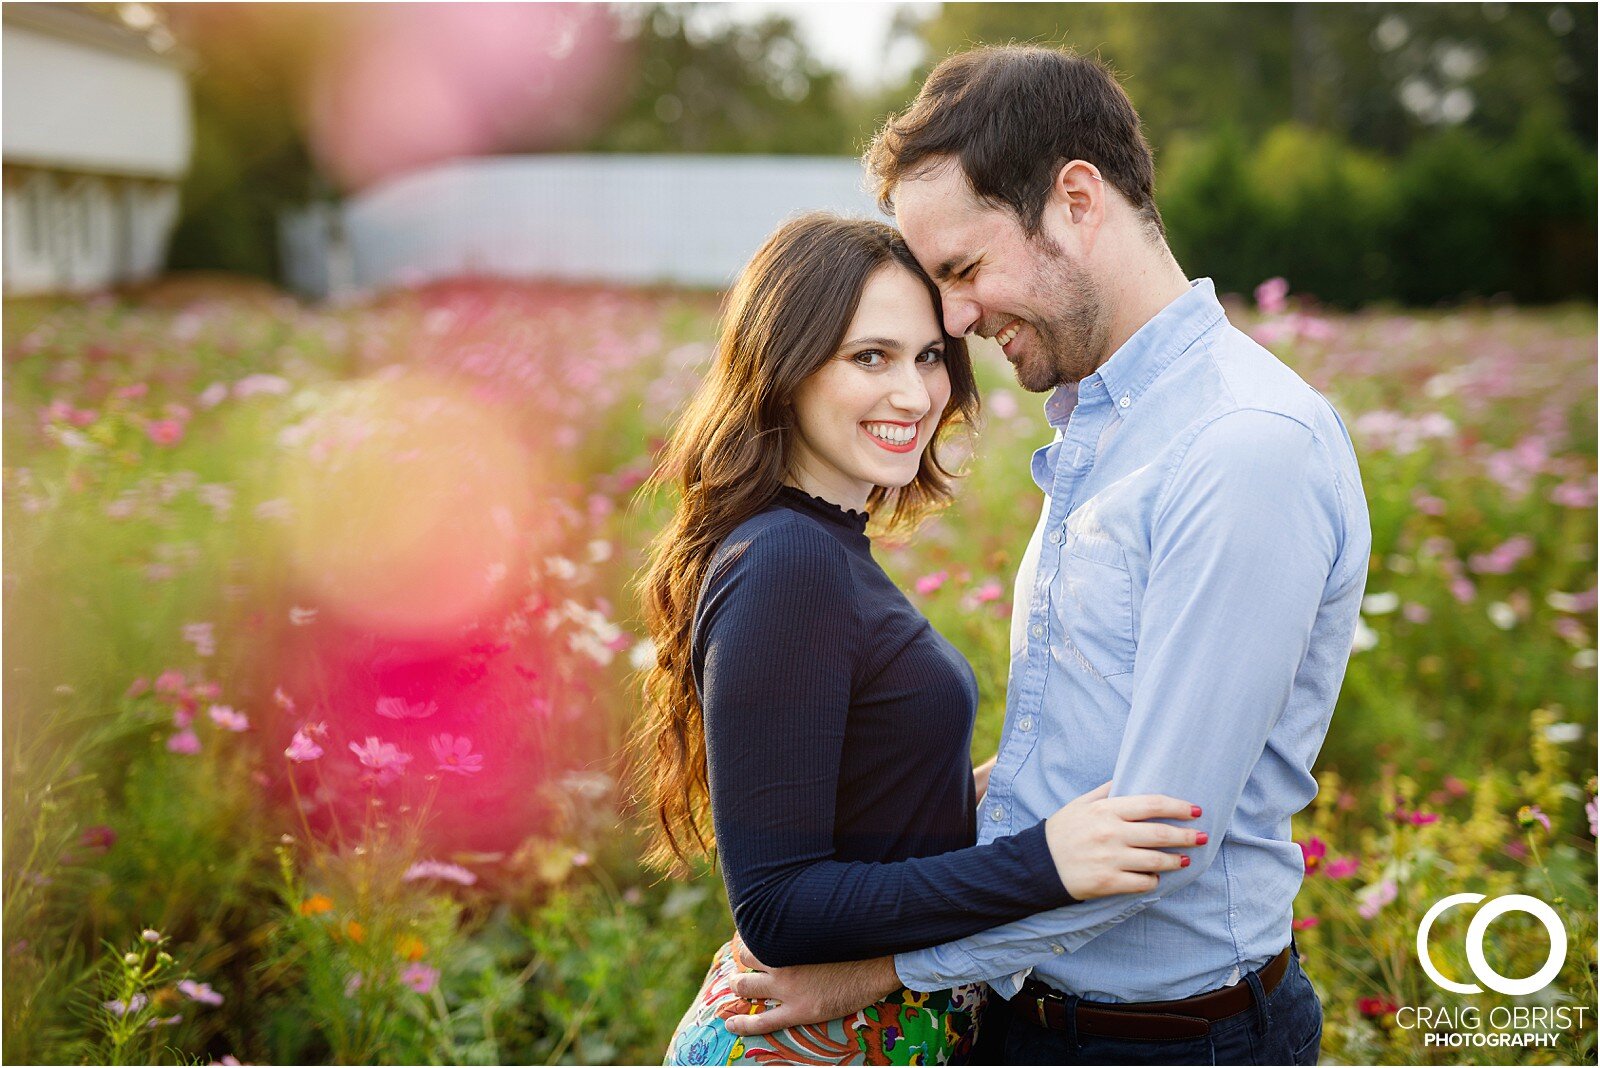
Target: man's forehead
[936,208]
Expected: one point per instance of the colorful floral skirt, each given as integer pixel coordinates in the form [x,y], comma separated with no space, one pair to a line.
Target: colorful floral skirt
[904,1028]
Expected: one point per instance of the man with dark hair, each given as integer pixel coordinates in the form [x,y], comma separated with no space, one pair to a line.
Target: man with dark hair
[1185,608]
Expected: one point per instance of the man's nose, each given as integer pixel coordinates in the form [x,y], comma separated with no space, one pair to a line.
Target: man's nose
[960,315]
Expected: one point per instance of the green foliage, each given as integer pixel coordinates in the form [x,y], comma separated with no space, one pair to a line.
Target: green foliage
[1455,218]
[734,88]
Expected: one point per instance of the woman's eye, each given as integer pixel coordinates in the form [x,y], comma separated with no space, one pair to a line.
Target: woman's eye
[870,358]
[931,356]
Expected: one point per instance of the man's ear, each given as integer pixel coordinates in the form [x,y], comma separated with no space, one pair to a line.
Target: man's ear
[1079,197]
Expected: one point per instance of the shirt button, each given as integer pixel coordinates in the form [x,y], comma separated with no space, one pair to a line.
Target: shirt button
[1055,947]
[1025,723]
[1125,401]
[1055,537]
[1037,630]
[997,813]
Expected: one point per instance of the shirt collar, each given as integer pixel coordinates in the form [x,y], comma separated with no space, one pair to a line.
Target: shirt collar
[1141,358]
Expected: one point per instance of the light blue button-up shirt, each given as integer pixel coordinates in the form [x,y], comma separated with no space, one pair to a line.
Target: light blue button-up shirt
[1181,625]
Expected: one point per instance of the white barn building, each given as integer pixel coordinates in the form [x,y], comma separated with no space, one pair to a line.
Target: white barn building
[96,137]
[684,220]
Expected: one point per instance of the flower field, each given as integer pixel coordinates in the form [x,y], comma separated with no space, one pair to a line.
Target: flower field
[321,642]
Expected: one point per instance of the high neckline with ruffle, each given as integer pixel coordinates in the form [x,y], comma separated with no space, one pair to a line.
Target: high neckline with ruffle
[822,509]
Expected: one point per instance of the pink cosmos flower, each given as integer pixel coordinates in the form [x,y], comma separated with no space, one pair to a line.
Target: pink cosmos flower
[1375,897]
[400,708]
[420,977]
[989,591]
[1305,922]
[1416,613]
[1574,494]
[228,719]
[454,754]
[164,431]
[256,384]
[1272,296]
[139,687]
[186,742]
[99,838]
[133,1004]
[170,682]
[1002,404]
[201,636]
[213,395]
[302,748]
[384,758]
[1428,504]
[1341,868]
[282,700]
[1593,813]
[200,992]
[927,584]
[1502,558]
[438,869]
[165,1021]
[1312,850]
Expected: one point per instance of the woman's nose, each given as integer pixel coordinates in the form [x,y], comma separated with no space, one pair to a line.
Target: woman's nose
[909,392]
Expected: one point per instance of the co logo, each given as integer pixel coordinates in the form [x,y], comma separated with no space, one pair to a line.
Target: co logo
[1475,932]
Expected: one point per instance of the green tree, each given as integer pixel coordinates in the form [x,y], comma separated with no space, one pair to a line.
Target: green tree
[727,86]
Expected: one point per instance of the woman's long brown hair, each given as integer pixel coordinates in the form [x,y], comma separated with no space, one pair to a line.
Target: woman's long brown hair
[728,456]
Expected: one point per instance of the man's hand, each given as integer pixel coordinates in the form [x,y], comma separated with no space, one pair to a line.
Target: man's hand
[806,993]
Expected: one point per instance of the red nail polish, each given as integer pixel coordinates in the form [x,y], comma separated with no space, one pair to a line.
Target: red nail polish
[1202,838]
[1194,810]
[1183,862]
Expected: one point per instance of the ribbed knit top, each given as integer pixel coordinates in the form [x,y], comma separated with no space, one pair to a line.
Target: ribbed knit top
[838,733]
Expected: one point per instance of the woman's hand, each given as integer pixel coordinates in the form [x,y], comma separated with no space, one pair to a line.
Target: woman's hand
[980,777]
[1102,844]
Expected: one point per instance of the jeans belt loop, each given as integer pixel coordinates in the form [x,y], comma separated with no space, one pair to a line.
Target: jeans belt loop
[1263,1011]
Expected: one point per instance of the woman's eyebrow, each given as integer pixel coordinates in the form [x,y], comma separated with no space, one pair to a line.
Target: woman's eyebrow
[890,343]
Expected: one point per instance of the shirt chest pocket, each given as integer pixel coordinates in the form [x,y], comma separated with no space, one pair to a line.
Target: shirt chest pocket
[1093,600]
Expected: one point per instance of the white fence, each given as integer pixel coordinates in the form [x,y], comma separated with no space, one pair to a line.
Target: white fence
[689,220]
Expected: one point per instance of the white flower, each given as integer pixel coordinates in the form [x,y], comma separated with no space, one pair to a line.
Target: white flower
[1378,604]
[1502,615]
[1365,637]
[438,869]
[1563,733]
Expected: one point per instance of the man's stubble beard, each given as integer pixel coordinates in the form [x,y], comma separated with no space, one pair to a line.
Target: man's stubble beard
[1072,341]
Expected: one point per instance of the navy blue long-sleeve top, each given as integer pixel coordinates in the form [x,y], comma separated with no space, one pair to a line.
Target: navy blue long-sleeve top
[838,734]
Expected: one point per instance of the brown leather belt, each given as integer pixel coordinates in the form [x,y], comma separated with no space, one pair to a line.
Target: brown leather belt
[1150,1021]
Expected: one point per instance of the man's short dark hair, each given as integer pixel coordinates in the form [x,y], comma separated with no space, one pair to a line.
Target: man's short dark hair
[1012,115]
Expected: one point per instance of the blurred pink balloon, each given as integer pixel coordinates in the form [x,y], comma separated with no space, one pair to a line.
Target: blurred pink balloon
[412,84]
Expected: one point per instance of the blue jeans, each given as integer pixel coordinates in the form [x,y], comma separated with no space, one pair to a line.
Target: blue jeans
[1285,1028]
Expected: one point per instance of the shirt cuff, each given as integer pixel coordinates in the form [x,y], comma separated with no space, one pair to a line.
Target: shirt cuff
[935,968]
